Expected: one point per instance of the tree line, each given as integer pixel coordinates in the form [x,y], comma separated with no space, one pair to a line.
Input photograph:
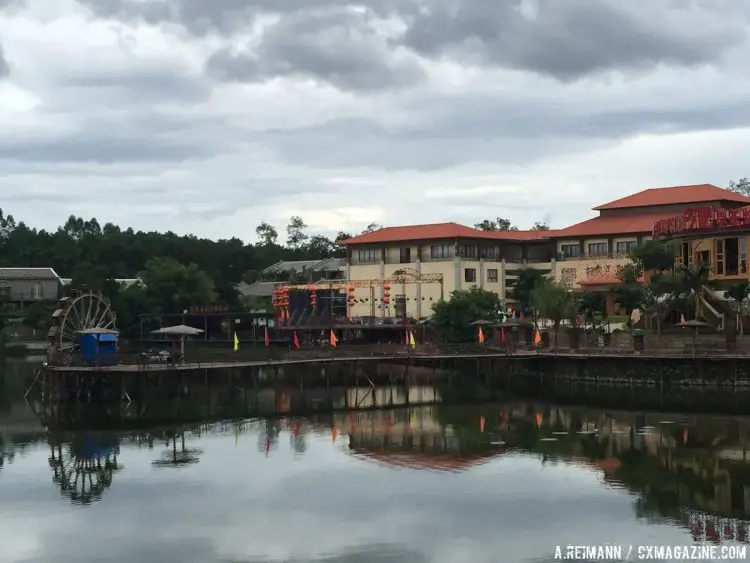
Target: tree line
[177,271]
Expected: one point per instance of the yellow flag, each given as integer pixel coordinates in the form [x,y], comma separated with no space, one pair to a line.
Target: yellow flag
[333,340]
[412,343]
[236,342]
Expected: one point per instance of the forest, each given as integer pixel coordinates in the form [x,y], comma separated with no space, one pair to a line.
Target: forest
[178,271]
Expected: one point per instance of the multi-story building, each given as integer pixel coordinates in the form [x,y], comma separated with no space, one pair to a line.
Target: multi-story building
[23,286]
[591,253]
[461,257]
[587,255]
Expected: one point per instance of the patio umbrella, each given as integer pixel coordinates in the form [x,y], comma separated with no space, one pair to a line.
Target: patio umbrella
[179,330]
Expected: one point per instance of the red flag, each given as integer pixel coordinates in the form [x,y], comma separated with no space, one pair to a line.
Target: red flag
[406,341]
[267,338]
[502,334]
[295,340]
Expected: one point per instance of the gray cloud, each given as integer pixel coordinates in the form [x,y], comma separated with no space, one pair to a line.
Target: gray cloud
[146,137]
[460,130]
[226,16]
[337,46]
[4,66]
[567,40]
[574,38]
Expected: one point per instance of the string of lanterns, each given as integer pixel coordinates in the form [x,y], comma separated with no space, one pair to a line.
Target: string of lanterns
[280,301]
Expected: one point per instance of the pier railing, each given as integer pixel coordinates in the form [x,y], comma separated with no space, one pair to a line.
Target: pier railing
[424,351]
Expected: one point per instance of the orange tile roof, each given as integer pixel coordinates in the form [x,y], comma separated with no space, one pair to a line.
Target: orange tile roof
[674,195]
[440,231]
[624,225]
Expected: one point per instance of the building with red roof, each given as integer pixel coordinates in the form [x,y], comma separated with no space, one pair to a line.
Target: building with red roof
[587,255]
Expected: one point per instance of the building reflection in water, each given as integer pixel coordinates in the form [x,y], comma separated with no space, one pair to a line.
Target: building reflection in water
[692,470]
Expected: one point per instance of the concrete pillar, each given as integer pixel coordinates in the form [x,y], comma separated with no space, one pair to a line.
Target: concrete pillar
[481,273]
[458,274]
[501,279]
[382,290]
[418,268]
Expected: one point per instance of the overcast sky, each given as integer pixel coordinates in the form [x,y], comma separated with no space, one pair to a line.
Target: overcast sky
[212,116]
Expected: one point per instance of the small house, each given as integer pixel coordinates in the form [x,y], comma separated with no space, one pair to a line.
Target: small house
[99,345]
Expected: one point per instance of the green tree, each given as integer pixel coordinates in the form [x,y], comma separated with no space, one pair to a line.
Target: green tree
[592,305]
[267,234]
[741,186]
[295,231]
[738,292]
[171,287]
[528,280]
[554,301]
[654,256]
[540,226]
[498,224]
[372,227]
[630,293]
[321,247]
[691,283]
[452,319]
[660,294]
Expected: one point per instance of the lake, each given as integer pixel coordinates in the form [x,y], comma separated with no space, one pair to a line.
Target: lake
[507,481]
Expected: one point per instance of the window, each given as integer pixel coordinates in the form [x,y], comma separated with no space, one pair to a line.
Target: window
[489,252]
[37,290]
[685,257]
[470,275]
[597,249]
[441,251]
[492,275]
[624,246]
[368,255]
[570,250]
[5,292]
[405,255]
[513,253]
[468,251]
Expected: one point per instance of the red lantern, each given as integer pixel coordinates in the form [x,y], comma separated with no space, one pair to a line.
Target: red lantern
[351,289]
[386,287]
[386,300]
[386,295]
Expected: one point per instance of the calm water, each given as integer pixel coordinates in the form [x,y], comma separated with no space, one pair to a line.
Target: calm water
[503,482]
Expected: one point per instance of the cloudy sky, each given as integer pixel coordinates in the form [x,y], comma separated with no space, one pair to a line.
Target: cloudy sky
[210,117]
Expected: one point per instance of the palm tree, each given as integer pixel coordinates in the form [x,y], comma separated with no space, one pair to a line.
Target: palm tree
[693,281]
[554,301]
[738,292]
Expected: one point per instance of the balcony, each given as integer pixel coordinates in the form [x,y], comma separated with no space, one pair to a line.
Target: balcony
[615,256]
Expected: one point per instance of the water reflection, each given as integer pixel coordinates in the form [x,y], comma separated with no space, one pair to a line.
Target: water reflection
[84,467]
[428,483]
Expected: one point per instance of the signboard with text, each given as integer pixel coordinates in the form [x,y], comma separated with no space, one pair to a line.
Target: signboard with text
[702,219]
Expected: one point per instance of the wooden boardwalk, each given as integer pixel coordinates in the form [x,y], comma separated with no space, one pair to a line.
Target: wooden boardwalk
[188,366]
[516,355]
